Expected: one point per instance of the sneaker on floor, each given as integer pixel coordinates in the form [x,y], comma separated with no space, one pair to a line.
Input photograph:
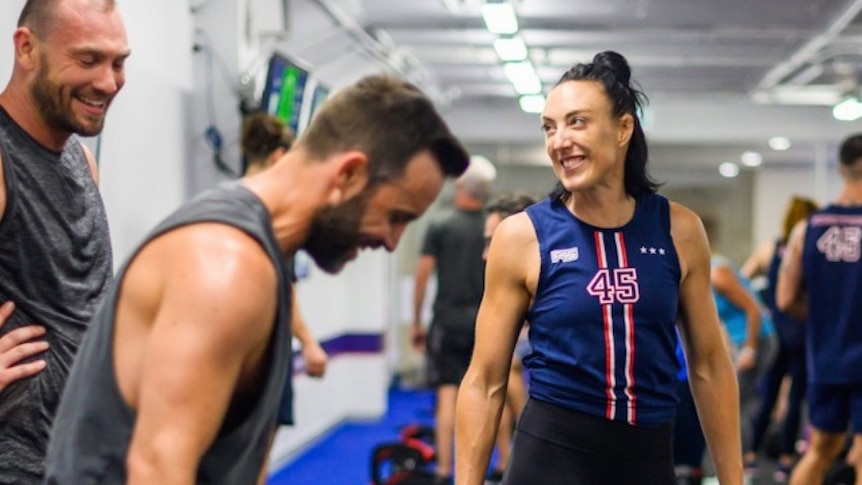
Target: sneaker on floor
[750,468]
[781,473]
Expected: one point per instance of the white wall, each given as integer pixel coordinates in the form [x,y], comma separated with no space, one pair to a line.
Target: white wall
[9,10]
[350,390]
[359,300]
[144,143]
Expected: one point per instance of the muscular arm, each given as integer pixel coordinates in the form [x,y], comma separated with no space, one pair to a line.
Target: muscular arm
[789,296]
[512,256]
[711,374]
[211,324]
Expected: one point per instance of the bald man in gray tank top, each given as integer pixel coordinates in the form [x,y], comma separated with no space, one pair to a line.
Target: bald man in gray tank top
[55,253]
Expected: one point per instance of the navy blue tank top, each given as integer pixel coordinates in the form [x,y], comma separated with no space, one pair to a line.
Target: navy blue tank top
[791,332]
[602,325]
[833,277]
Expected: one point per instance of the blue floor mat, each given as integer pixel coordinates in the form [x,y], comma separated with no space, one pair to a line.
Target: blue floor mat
[342,457]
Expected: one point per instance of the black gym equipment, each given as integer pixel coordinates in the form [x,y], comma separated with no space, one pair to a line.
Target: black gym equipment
[409,462]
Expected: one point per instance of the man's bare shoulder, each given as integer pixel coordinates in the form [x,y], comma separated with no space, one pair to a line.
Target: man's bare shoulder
[217,272]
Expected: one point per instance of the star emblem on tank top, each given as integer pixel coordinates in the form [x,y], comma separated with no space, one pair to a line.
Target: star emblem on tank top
[653,251]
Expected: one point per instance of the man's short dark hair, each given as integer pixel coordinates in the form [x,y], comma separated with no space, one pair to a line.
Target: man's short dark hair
[508,204]
[38,15]
[851,150]
[388,119]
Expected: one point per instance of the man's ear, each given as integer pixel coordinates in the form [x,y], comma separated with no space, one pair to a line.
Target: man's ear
[351,175]
[25,48]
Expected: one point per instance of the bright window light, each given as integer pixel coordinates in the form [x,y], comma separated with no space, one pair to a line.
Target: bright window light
[751,159]
[728,170]
[500,18]
[523,76]
[532,103]
[779,143]
[849,109]
[510,49]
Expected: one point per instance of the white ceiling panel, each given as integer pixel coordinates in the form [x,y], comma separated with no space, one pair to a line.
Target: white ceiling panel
[725,72]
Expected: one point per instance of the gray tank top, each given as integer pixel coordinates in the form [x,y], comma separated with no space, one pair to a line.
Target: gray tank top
[55,263]
[93,429]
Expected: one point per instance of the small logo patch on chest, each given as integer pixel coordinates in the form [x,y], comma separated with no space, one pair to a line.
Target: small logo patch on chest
[564,255]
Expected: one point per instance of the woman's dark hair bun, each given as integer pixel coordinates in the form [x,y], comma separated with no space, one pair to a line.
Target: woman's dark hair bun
[616,63]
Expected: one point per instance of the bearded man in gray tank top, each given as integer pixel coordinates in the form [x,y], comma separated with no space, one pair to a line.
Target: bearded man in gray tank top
[55,253]
[181,374]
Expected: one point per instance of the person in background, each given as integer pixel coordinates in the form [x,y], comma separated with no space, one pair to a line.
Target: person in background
[602,269]
[790,360]
[180,377]
[819,278]
[749,330]
[264,140]
[689,444]
[55,250]
[452,250]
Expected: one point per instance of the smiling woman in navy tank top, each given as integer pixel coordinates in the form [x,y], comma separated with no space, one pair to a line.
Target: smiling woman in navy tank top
[602,269]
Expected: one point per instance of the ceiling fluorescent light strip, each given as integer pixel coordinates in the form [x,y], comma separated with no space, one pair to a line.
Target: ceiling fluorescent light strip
[523,76]
[510,49]
[532,103]
[500,18]
[850,109]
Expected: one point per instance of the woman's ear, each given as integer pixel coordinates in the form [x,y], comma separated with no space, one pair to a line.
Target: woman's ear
[627,127]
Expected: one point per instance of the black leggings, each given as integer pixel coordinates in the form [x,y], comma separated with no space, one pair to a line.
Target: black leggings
[558,446]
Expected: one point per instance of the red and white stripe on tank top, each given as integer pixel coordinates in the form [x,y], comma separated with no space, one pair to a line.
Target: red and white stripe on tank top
[617,285]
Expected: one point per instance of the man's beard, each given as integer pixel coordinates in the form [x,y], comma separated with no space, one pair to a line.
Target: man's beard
[56,109]
[335,233]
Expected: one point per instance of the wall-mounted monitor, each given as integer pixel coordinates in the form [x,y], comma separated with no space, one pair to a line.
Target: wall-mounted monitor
[316,94]
[284,91]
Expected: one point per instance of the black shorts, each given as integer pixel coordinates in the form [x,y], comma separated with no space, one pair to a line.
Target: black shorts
[449,351]
[554,446]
